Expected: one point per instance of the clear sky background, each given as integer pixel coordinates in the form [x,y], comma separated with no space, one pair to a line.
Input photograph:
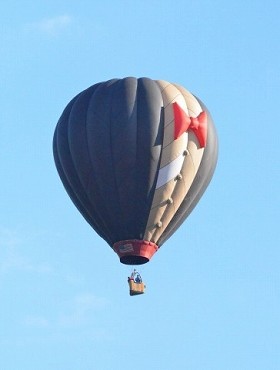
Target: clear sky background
[213,296]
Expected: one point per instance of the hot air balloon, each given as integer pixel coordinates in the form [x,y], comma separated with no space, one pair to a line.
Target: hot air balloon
[135,157]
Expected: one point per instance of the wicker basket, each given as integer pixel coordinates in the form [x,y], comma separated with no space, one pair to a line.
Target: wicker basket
[136,288]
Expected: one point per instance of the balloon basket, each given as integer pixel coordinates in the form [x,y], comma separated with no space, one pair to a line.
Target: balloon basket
[136,288]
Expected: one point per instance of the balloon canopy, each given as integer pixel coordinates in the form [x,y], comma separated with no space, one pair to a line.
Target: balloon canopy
[135,156]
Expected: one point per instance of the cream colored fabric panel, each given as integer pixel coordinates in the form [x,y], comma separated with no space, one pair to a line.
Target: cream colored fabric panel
[162,84]
[188,174]
[170,171]
[168,115]
[155,216]
[195,151]
[170,94]
[169,196]
[193,106]
[160,202]
[163,193]
[194,109]
[173,150]
[182,187]
[168,135]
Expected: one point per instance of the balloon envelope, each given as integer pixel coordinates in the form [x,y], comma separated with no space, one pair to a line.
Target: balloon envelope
[135,156]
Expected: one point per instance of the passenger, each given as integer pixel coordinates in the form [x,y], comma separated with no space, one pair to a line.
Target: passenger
[138,279]
[132,276]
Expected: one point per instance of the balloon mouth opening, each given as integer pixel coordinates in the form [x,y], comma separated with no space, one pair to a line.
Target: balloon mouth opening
[134,260]
[135,252]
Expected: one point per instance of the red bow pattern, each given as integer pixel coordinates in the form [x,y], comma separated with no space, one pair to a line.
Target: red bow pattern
[184,123]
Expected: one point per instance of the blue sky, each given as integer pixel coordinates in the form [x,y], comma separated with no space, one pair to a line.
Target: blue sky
[213,297]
